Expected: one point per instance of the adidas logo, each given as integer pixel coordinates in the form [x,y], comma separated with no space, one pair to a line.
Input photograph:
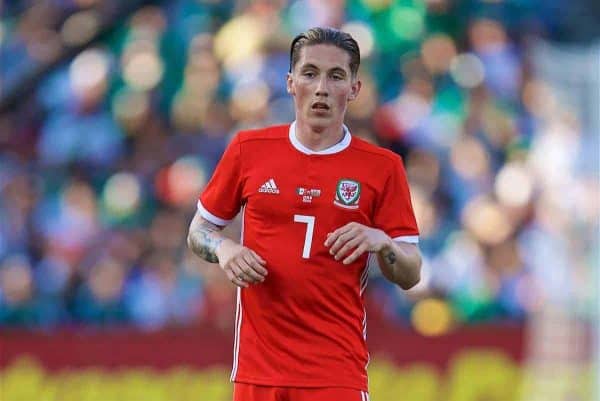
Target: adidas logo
[269,187]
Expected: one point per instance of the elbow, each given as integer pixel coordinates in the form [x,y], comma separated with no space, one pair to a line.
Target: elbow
[410,283]
[414,278]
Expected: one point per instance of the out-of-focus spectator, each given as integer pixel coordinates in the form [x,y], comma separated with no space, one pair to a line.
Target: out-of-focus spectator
[19,305]
[160,295]
[99,299]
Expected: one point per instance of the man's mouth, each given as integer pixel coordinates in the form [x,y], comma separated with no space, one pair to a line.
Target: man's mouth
[320,106]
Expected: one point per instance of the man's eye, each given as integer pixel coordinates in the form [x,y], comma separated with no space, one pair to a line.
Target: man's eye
[338,77]
[309,74]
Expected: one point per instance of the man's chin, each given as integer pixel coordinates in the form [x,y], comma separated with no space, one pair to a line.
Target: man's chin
[319,124]
[319,119]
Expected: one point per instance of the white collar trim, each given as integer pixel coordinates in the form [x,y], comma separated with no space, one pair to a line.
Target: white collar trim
[338,147]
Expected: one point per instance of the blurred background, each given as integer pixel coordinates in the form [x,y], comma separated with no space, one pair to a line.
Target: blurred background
[114,114]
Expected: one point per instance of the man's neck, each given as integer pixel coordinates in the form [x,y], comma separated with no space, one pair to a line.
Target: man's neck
[317,139]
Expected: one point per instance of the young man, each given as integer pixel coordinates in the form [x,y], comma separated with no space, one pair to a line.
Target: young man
[318,205]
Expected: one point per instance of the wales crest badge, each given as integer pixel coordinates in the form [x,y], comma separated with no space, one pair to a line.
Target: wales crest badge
[347,193]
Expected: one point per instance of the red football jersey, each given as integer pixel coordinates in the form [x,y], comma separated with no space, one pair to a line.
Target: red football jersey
[305,325]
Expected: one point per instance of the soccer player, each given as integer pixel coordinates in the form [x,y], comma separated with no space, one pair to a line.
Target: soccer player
[319,206]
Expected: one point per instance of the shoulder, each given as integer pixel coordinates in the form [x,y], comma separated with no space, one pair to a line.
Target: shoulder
[375,153]
[275,132]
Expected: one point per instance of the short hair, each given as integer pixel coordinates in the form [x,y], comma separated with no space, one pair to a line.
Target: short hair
[331,36]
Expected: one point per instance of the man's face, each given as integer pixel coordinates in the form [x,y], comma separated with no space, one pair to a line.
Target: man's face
[322,85]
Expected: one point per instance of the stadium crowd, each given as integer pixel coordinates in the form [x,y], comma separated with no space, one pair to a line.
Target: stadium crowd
[101,164]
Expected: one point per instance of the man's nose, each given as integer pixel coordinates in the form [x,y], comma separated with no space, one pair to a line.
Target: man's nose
[322,89]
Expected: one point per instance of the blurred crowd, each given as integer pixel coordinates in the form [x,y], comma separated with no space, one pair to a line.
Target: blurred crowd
[102,162]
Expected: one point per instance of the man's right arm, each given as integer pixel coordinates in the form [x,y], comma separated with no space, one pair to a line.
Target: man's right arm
[204,238]
[242,265]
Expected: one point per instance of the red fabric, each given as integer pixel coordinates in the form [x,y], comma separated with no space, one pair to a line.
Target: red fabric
[253,392]
[207,345]
[303,325]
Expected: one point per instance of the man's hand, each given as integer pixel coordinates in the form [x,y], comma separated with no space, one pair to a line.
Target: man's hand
[358,237]
[399,262]
[242,265]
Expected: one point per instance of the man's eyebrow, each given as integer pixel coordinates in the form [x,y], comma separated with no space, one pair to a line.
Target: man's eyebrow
[334,69]
[305,66]
[338,69]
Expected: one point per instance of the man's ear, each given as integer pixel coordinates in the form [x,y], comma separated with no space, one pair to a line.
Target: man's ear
[290,84]
[356,85]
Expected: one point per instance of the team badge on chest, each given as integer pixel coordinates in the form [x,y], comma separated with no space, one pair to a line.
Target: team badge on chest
[347,194]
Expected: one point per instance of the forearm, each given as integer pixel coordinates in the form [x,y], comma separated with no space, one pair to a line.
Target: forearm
[204,238]
[400,263]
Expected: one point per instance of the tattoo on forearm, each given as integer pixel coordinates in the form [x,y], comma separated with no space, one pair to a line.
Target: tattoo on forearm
[204,242]
[390,257]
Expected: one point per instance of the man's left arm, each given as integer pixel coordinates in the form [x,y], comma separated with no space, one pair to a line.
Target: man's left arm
[400,262]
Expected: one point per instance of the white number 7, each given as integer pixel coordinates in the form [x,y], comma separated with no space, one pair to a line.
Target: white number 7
[310,225]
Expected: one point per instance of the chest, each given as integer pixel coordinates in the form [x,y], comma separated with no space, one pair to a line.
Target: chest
[336,189]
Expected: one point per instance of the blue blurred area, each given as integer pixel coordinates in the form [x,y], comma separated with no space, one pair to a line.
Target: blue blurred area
[101,167]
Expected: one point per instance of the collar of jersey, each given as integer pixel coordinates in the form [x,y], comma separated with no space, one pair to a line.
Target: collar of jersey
[338,147]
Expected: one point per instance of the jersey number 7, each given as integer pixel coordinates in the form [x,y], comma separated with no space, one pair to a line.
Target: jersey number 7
[310,225]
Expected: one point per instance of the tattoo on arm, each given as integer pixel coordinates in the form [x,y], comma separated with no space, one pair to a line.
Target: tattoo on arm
[204,241]
[390,257]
